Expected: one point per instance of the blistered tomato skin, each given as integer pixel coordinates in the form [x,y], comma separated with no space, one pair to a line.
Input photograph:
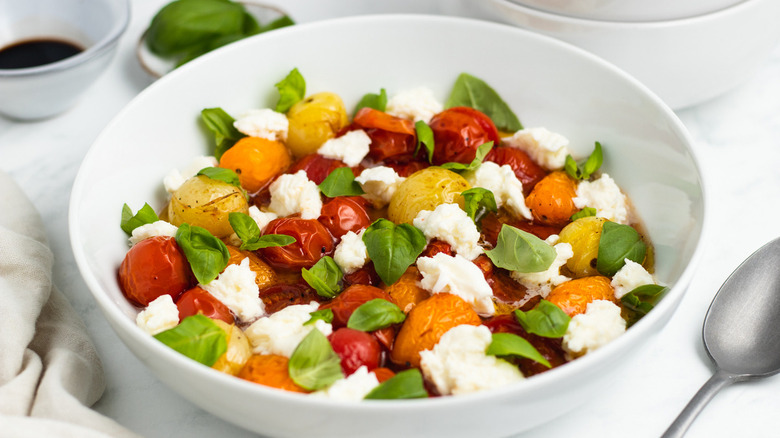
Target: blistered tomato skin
[197,300]
[154,267]
[458,132]
[312,242]
[278,296]
[356,349]
[344,213]
[392,138]
[352,298]
[526,170]
[316,166]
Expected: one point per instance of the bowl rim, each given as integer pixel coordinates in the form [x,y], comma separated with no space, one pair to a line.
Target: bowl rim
[664,309]
[101,46]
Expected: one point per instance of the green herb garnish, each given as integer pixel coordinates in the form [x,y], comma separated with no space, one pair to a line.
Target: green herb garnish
[292,89]
[371,100]
[206,254]
[251,238]
[196,337]
[475,93]
[517,250]
[404,385]
[325,277]
[588,167]
[546,320]
[508,344]
[221,124]
[643,298]
[130,222]
[482,152]
[424,138]
[478,201]
[322,314]
[393,248]
[341,182]
[374,315]
[617,243]
[314,365]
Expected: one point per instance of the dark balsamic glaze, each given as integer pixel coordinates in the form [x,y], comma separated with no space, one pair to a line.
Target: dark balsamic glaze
[32,53]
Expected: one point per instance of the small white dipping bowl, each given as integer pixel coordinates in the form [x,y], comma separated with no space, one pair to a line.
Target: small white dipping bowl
[47,90]
[685,61]
[546,82]
[629,10]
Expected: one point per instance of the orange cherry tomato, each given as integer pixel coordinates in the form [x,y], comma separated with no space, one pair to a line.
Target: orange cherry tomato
[458,132]
[197,300]
[574,296]
[551,201]
[527,171]
[383,374]
[392,138]
[344,213]
[256,161]
[269,370]
[312,242]
[154,267]
[356,349]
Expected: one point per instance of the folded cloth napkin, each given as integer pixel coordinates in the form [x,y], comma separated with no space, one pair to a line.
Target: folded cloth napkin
[49,370]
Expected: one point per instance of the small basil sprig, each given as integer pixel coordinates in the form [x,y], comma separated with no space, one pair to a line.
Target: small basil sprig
[221,174]
[206,254]
[314,365]
[221,124]
[196,337]
[371,100]
[320,315]
[517,250]
[617,243]
[251,237]
[585,212]
[374,315]
[424,138]
[478,201]
[643,298]
[475,93]
[292,89]
[509,344]
[546,320]
[404,385]
[325,277]
[340,182]
[393,248]
[482,152]
[130,222]
[585,170]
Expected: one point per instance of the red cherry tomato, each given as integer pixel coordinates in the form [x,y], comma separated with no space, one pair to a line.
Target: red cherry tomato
[527,171]
[383,374]
[350,299]
[316,166]
[436,246]
[154,267]
[312,242]
[366,275]
[278,296]
[356,349]
[408,168]
[344,213]
[392,138]
[492,223]
[458,132]
[197,300]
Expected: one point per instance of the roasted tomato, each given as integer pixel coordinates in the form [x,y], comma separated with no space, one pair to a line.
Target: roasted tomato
[549,348]
[197,300]
[281,295]
[408,168]
[552,200]
[491,225]
[154,267]
[312,242]
[392,138]
[350,299]
[436,246]
[527,171]
[356,349]
[344,213]
[316,166]
[458,132]
[366,275]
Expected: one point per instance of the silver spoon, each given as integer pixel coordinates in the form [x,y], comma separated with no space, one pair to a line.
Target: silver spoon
[740,330]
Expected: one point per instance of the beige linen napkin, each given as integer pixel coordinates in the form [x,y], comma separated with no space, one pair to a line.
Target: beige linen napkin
[49,370]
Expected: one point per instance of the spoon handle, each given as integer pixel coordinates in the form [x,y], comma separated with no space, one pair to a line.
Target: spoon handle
[697,403]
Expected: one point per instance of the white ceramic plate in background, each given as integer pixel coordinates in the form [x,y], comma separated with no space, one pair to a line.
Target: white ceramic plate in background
[546,82]
[629,10]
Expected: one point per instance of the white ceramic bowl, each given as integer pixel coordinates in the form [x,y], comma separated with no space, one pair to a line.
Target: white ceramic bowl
[685,61]
[547,83]
[43,91]
[629,10]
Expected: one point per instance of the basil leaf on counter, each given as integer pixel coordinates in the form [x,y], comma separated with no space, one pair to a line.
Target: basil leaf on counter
[322,314]
[371,100]
[617,243]
[251,238]
[340,182]
[221,124]
[221,174]
[393,248]
[404,385]
[374,315]
[585,170]
[546,320]
[206,254]
[509,344]
[145,215]
[424,138]
[517,250]
[325,277]
[482,152]
[196,337]
[585,212]
[292,89]
[643,298]
[475,93]
[314,365]
[478,201]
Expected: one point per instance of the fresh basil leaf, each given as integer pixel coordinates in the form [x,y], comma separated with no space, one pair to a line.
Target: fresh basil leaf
[340,182]
[374,315]
[325,277]
[617,243]
[196,337]
[221,174]
[371,100]
[322,314]
[145,215]
[393,248]
[247,230]
[509,344]
[517,250]
[292,89]
[588,167]
[482,152]
[314,365]
[206,254]
[268,241]
[475,93]
[585,212]
[643,298]
[279,23]
[404,385]
[221,124]
[478,201]
[546,320]
[424,138]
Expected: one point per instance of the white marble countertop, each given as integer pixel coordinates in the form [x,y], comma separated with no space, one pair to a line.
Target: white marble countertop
[736,138]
